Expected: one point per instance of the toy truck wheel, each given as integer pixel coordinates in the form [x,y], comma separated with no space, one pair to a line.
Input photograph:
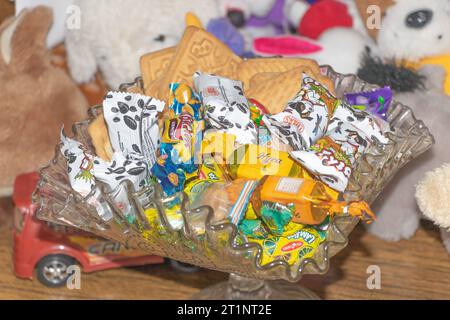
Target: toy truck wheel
[183,267]
[51,270]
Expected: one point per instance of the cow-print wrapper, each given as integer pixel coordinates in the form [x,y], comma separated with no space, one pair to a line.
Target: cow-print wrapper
[79,165]
[81,174]
[332,158]
[353,142]
[372,126]
[120,169]
[305,118]
[113,173]
[132,124]
[226,108]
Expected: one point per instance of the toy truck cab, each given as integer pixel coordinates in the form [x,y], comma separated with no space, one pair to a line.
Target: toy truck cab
[47,250]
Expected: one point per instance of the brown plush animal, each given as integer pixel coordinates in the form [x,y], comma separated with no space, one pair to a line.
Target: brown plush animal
[36,98]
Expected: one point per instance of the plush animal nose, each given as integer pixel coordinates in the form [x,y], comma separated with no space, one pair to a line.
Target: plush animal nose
[236,17]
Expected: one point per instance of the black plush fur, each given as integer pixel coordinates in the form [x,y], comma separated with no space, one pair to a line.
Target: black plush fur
[399,78]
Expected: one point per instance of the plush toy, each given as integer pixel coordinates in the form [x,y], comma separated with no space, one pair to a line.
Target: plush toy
[254,19]
[329,31]
[414,32]
[433,198]
[312,19]
[398,215]
[61,12]
[421,33]
[114,34]
[37,97]
[6,9]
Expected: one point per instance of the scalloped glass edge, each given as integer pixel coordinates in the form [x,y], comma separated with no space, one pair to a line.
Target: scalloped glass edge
[217,249]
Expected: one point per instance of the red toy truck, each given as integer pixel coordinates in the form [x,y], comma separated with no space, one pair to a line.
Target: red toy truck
[47,250]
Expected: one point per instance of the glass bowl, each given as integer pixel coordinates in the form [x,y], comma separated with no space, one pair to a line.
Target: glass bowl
[217,249]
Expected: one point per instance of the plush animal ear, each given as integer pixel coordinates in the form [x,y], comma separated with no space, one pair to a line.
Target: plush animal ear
[28,43]
[7,30]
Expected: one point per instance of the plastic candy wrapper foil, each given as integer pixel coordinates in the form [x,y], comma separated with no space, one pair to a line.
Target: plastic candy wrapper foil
[136,115]
[305,117]
[376,101]
[226,107]
[220,248]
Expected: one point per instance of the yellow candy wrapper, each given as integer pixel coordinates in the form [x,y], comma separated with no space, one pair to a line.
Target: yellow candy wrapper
[254,162]
[218,145]
[300,244]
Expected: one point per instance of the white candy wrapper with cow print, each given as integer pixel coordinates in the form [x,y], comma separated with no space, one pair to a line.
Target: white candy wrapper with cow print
[226,107]
[120,169]
[80,169]
[305,118]
[332,158]
[79,165]
[372,126]
[353,142]
[114,173]
[132,121]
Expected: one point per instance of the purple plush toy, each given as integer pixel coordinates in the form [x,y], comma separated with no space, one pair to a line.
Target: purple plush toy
[252,19]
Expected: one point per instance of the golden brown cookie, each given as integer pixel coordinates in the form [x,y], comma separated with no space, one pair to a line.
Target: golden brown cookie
[154,65]
[262,77]
[98,131]
[199,50]
[249,68]
[276,92]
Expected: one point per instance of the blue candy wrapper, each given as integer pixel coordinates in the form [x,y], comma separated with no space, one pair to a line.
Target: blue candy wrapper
[183,99]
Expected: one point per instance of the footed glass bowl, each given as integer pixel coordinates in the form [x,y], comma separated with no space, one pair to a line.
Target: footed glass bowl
[217,250]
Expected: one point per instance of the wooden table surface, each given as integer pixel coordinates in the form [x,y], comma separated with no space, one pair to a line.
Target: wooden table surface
[415,269]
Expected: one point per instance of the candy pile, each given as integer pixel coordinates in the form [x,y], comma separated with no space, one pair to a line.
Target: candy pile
[276,168]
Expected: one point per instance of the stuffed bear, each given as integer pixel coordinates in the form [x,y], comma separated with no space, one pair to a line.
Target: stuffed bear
[114,34]
[433,198]
[37,97]
[398,215]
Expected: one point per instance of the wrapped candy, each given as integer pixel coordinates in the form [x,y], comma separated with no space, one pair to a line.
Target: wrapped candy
[183,130]
[84,169]
[180,140]
[132,121]
[305,118]
[113,173]
[253,228]
[254,162]
[80,165]
[332,158]
[182,99]
[229,200]
[294,248]
[226,108]
[373,127]
[169,175]
[376,102]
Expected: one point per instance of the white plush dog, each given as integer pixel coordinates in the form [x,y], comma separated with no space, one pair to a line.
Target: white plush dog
[115,33]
